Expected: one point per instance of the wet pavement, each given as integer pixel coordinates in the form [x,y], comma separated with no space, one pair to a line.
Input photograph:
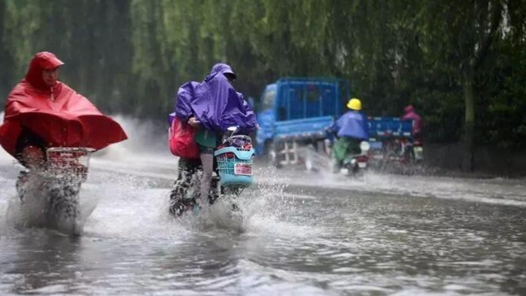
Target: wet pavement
[299,234]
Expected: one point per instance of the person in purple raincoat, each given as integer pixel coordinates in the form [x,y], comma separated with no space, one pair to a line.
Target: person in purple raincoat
[211,107]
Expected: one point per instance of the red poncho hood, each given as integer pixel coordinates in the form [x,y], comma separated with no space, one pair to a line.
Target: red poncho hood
[59,115]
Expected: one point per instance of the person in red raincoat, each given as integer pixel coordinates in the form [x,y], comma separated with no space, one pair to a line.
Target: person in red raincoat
[42,112]
[410,114]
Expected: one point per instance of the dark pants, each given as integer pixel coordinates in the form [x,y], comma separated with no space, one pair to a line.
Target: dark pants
[187,168]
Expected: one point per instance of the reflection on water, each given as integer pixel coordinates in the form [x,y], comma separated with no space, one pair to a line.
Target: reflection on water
[380,236]
[316,242]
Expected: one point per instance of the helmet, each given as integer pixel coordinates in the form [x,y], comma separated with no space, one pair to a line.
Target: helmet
[354,104]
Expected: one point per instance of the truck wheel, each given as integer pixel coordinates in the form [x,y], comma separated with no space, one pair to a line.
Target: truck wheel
[311,158]
[272,155]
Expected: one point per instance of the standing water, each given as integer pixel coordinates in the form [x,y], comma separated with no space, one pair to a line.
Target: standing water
[299,234]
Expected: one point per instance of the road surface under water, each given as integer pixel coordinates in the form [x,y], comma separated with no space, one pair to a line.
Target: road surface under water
[300,234]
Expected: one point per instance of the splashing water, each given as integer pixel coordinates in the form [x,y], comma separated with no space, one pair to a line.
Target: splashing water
[50,203]
[33,211]
[261,205]
[120,198]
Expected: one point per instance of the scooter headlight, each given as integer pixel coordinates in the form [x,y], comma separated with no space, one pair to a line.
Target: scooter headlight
[365,146]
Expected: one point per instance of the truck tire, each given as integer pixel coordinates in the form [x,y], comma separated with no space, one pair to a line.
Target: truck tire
[272,154]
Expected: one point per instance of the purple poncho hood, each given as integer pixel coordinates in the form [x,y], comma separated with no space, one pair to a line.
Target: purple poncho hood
[215,103]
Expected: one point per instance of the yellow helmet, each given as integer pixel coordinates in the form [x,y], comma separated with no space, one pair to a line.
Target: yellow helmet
[354,104]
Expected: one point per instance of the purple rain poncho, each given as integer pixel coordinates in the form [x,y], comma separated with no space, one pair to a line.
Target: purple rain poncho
[215,103]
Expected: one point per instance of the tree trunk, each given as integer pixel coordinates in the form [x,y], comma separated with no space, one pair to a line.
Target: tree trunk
[6,62]
[468,163]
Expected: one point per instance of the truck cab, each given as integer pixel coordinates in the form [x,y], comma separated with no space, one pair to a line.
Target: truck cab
[297,111]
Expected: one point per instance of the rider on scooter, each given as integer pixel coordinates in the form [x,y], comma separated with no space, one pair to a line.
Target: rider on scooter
[210,107]
[410,114]
[42,112]
[351,130]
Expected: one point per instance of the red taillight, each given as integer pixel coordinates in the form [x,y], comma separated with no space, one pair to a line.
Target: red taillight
[361,158]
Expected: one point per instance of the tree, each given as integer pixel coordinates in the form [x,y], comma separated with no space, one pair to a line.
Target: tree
[458,36]
[451,59]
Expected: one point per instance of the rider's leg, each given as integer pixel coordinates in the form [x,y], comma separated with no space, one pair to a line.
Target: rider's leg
[335,164]
[33,157]
[186,169]
[207,160]
[215,188]
[339,153]
[354,146]
[21,181]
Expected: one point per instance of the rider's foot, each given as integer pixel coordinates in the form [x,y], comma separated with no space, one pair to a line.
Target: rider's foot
[21,180]
[212,198]
[179,206]
[214,190]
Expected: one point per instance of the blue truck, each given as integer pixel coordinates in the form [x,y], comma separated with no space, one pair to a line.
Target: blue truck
[295,112]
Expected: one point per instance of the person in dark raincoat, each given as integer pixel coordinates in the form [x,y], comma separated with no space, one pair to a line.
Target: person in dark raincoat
[351,129]
[210,107]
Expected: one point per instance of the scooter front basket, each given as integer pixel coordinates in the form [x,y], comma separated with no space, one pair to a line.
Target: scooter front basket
[71,161]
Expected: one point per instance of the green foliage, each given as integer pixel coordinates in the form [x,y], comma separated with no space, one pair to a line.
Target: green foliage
[130,56]
[503,122]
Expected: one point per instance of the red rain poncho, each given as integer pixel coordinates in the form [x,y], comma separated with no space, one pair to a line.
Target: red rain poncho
[57,114]
[410,114]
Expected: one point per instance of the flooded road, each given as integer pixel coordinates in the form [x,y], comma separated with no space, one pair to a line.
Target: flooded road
[300,234]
